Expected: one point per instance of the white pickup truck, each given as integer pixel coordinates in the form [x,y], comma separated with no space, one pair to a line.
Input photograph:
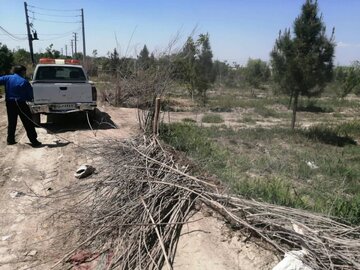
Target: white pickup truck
[61,87]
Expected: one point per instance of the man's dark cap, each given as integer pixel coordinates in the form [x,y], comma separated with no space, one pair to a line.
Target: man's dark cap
[19,69]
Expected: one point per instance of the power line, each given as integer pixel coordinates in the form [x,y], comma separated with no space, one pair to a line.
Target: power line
[57,10]
[53,15]
[12,35]
[63,34]
[41,20]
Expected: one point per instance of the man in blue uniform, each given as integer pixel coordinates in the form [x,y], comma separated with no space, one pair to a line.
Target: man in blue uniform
[17,92]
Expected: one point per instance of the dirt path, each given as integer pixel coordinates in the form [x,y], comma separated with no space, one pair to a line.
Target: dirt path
[28,237]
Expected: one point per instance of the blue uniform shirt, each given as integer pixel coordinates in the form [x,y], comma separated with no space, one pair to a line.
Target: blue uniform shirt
[17,88]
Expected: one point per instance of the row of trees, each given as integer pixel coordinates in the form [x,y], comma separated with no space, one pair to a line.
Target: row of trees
[8,58]
[301,63]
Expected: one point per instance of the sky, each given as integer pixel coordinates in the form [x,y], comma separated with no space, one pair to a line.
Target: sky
[238,29]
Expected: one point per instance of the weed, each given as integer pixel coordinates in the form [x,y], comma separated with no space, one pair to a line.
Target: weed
[265,112]
[273,164]
[248,120]
[328,135]
[212,118]
[188,120]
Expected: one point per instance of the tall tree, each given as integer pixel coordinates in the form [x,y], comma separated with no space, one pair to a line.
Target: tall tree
[143,58]
[257,72]
[50,52]
[21,56]
[205,73]
[347,79]
[194,66]
[114,62]
[6,59]
[302,65]
[185,65]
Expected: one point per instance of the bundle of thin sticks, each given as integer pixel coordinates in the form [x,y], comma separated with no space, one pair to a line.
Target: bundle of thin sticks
[135,208]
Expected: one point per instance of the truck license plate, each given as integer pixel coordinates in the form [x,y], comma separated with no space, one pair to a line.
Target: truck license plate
[61,107]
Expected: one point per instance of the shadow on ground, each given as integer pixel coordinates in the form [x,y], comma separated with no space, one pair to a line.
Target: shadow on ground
[58,123]
[329,137]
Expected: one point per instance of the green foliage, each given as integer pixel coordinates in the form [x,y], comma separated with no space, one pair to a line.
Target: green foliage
[77,55]
[265,112]
[144,60]
[303,65]
[194,66]
[6,59]
[212,118]
[328,135]
[273,190]
[257,72]
[114,62]
[188,120]
[272,164]
[22,57]
[347,79]
[50,52]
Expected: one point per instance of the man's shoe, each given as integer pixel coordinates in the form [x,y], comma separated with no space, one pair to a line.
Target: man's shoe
[36,143]
[11,142]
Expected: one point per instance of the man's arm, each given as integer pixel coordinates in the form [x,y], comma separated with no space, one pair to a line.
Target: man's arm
[29,91]
[3,80]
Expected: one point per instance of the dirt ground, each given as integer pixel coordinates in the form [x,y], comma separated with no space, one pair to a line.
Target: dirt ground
[29,238]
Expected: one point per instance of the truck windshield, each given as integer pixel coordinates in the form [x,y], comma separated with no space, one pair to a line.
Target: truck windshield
[59,73]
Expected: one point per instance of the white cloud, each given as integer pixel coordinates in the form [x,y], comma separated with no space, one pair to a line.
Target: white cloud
[341,44]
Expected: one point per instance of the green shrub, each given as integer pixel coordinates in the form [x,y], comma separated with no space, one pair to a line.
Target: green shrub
[212,118]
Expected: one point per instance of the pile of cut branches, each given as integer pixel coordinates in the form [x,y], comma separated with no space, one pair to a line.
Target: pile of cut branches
[135,208]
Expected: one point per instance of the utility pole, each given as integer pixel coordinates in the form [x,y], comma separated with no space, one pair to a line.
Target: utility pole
[72,48]
[75,39]
[66,50]
[83,35]
[30,38]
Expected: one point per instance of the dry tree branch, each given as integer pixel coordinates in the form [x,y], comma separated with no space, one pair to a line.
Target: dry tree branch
[143,233]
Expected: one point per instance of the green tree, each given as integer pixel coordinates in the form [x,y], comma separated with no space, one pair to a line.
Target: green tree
[303,65]
[50,52]
[205,75]
[347,79]
[114,62]
[22,57]
[257,72]
[221,70]
[143,58]
[78,56]
[185,65]
[6,59]
[194,66]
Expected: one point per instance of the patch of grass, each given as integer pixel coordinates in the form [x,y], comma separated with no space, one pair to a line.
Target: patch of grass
[329,135]
[273,190]
[212,118]
[273,164]
[221,109]
[247,119]
[188,120]
[266,112]
[351,128]
[315,109]
[234,101]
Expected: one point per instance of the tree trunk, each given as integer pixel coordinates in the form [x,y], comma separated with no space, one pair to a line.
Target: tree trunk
[291,97]
[295,105]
